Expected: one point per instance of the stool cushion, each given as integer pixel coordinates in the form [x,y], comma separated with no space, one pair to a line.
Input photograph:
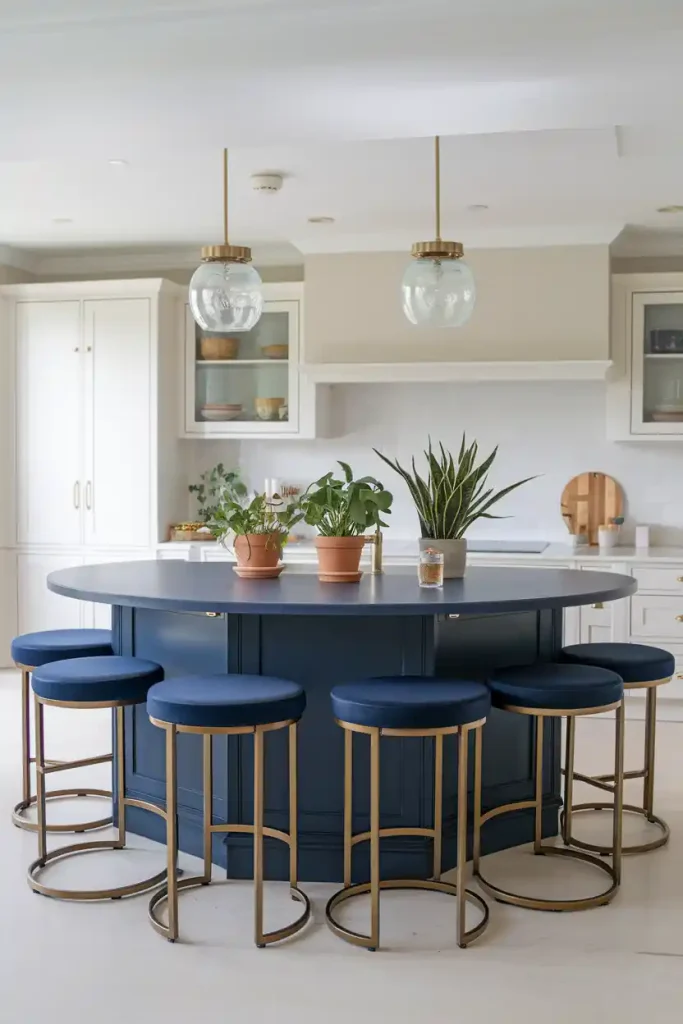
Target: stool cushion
[635,663]
[112,679]
[410,702]
[554,687]
[227,701]
[32,649]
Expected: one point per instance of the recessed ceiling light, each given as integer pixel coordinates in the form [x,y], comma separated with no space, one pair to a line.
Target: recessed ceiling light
[118,163]
[62,220]
[478,207]
[321,220]
[670,209]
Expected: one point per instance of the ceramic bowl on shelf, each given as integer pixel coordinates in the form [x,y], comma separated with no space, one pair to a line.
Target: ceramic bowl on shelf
[215,346]
[268,408]
[275,351]
[220,413]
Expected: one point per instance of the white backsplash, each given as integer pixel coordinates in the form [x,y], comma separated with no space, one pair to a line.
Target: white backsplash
[555,430]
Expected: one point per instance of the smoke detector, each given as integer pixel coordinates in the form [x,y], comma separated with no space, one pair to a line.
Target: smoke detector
[266,182]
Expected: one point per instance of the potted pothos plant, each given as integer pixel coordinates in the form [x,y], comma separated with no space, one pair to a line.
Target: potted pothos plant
[451,497]
[260,528]
[342,510]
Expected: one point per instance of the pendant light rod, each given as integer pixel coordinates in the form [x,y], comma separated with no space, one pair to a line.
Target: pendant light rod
[437,183]
[225,195]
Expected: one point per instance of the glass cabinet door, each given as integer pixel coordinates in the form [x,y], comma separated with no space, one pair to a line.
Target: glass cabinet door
[657,363]
[245,382]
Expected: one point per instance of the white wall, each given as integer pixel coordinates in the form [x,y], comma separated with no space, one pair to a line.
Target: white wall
[552,429]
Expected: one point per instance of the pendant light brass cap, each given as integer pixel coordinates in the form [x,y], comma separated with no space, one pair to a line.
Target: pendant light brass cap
[226,254]
[438,249]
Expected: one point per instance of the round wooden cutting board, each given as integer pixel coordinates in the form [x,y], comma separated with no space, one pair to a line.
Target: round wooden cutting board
[591,500]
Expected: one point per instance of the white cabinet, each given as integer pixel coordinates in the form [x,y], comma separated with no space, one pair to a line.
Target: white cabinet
[89,450]
[249,384]
[645,392]
[118,432]
[49,375]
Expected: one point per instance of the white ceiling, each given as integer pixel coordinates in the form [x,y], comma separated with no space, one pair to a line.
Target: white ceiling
[565,118]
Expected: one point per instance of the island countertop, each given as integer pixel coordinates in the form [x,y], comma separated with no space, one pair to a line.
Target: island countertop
[198,586]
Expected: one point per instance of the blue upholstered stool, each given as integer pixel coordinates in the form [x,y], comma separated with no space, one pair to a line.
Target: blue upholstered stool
[89,682]
[642,668]
[408,706]
[231,705]
[29,651]
[550,690]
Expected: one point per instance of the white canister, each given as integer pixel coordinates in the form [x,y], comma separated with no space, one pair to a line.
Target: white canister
[608,536]
[642,536]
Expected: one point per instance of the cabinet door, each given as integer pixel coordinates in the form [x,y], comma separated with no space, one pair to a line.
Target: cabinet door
[38,607]
[117,491]
[246,384]
[49,423]
[657,363]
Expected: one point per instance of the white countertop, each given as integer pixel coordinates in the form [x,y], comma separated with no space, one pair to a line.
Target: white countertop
[402,551]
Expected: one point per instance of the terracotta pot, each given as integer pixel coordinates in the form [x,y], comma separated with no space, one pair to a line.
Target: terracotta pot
[339,558]
[258,550]
[454,555]
[216,346]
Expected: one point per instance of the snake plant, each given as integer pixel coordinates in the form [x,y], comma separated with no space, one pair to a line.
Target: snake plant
[453,496]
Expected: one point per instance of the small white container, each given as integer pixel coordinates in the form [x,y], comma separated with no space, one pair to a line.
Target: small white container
[642,537]
[608,537]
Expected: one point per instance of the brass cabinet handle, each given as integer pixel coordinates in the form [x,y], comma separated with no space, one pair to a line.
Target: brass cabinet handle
[598,604]
[679,579]
[77,494]
[679,618]
[455,615]
[88,495]
[213,615]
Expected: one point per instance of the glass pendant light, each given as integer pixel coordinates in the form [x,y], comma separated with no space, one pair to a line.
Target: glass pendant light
[438,286]
[225,292]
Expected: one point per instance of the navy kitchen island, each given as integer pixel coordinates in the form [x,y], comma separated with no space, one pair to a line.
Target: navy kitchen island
[198,618]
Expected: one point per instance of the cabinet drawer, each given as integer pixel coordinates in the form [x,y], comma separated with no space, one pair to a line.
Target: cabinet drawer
[657,616]
[663,579]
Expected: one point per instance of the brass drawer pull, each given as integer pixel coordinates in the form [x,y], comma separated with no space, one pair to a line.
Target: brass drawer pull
[454,615]
[213,615]
[679,618]
[679,579]
[598,605]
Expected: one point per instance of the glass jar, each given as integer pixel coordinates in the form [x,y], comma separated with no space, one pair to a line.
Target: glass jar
[430,568]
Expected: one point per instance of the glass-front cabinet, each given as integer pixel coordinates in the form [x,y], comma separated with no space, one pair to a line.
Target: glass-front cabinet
[246,384]
[657,363]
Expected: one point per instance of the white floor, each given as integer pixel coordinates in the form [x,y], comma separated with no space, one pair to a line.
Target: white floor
[67,962]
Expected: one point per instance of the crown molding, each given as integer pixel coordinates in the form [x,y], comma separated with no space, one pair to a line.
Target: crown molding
[522,237]
[18,258]
[638,242]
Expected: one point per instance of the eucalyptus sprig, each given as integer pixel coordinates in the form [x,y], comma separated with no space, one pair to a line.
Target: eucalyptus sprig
[452,497]
[345,508]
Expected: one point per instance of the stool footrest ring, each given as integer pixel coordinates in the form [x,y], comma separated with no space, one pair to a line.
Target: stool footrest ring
[87,894]
[654,844]
[267,939]
[20,821]
[534,903]
[360,889]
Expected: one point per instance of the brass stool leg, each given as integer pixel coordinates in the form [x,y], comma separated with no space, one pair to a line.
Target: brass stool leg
[476,828]
[348,804]
[438,806]
[374,839]
[650,728]
[172,831]
[40,781]
[293,810]
[208,806]
[618,791]
[463,743]
[258,840]
[25,737]
[538,796]
[570,748]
